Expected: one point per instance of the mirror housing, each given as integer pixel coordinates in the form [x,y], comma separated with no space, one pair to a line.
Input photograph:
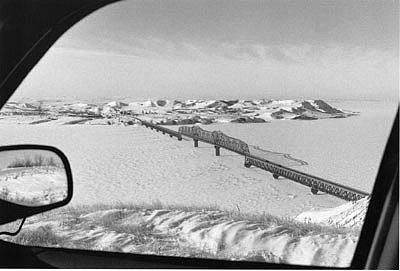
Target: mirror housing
[11,210]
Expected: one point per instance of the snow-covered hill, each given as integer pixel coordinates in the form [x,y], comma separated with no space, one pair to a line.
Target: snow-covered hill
[174,112]
[240,111]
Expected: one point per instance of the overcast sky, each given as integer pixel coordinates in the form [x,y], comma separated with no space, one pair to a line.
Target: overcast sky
[226,49]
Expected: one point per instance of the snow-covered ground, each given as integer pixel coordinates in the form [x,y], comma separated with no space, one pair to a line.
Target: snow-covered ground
[351,214]
[134,165]
[240,239]
[197,232]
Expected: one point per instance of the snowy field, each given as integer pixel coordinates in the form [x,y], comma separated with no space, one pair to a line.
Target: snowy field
[132,164]
[116,165]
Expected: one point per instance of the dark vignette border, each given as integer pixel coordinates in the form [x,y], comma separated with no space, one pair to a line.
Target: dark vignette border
[387,176]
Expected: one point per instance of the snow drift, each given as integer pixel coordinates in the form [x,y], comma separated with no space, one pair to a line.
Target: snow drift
[210,233]
[351,214]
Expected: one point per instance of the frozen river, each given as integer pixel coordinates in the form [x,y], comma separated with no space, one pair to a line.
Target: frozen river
[132,164]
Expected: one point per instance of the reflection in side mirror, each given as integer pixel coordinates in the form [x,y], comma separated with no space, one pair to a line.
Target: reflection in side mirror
[32,177]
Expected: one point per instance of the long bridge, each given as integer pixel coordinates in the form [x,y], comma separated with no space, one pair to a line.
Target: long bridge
[221,140]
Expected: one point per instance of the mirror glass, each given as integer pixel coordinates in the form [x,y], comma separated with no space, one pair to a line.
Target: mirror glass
[32,177]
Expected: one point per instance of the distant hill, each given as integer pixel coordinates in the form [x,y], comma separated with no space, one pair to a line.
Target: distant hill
[180,112]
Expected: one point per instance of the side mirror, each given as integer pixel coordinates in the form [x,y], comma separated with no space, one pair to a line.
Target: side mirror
[33,179]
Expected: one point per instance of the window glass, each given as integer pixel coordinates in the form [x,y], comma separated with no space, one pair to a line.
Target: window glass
[239,130]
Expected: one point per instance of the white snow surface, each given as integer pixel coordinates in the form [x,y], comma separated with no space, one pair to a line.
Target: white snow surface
[211,231]
[242,238]
[351,214]
[133,165]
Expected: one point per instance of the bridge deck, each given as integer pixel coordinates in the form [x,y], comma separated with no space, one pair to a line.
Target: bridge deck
[315,183]
[162,129]
[220,140]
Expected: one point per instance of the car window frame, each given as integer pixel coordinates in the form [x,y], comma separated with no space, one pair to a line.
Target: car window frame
[386,174]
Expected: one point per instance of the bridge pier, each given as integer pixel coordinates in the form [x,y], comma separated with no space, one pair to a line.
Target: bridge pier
[314,191]
[179,138]
[217,150]
[196,143]
[276,176]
